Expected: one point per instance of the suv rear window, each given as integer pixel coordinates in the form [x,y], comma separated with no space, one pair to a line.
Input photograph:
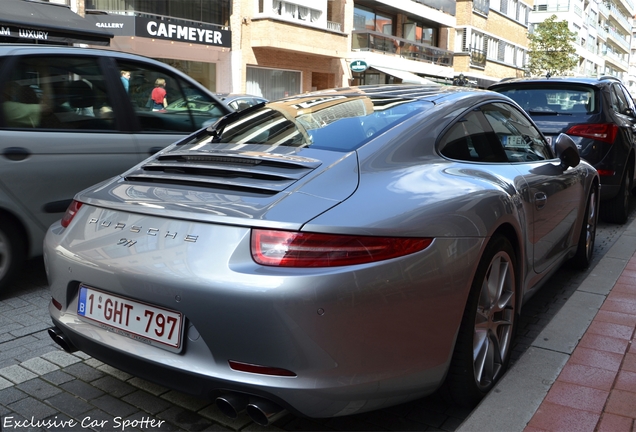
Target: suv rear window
[553,100]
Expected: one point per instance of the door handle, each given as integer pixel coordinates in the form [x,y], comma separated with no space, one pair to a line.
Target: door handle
[16,153]
[540,199]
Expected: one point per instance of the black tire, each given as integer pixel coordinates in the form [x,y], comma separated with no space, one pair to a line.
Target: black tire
[484,341]
[587,237]
[616,210]
[12,252]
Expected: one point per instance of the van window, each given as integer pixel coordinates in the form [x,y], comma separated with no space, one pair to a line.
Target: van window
[186,107]
[65,93]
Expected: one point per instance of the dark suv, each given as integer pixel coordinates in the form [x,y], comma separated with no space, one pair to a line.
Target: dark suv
[599,114]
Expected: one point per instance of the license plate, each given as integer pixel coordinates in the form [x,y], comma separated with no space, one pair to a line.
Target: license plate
[131,318]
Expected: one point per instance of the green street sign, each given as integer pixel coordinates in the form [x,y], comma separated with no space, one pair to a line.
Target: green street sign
[358,66]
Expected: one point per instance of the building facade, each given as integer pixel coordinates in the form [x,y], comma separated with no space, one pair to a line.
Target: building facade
[492,40]
[603,31]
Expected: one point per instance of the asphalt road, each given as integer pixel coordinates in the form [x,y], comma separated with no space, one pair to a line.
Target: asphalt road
[39,382]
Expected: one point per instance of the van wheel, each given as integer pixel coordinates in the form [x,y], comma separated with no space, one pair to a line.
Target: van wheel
[616,210]
[484,342]
[12,252]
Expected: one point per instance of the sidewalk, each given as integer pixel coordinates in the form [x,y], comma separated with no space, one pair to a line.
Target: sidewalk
[580,373]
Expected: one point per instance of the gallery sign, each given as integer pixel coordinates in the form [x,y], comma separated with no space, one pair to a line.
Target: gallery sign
[118,25]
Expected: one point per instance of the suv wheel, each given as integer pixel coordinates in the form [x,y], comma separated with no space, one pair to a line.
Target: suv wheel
[616,210]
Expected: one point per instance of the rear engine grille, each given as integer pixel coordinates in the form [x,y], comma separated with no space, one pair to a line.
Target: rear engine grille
[261,173]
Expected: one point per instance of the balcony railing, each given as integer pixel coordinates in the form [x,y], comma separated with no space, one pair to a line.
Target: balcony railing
[447,6]
[620,18]
[364,40]
[335,26]
[559,6]
[620,38]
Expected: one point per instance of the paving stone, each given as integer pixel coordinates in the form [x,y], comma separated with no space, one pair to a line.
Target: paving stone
[47,347]
[147,402]
[115,372]
[82,389]
[82,355]
[17,374]
[10,354]
[84,372]
[8,328]
[92,362]
[61,358]
[186,401]
[30,407]
[213,413]
[69,404]
[114,406]
[10,395]
[5,383]
[152,388]
[113,386]
[38,388]
[186,419]
[39,366]
[58,377]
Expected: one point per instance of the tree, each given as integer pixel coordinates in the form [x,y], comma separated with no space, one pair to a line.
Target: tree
[551,48]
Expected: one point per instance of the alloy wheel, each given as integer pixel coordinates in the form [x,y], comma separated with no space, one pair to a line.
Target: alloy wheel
[494,321]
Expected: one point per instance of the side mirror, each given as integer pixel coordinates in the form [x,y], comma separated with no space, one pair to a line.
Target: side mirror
[566,150]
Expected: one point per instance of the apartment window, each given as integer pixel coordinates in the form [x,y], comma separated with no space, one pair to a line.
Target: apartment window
[419,33]
[493,48]
[272,83]
[477,41]
[367,19]
[213,12]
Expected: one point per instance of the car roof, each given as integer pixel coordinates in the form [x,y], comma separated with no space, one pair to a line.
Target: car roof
[555,81]
[7,49]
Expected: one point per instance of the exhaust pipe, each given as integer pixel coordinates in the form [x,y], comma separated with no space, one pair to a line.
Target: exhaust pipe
[61,339]
[232,404]
[264,412]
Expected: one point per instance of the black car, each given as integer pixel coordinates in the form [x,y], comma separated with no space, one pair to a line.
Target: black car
[599,114]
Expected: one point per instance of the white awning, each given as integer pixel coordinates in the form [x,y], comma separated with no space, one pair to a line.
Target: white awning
[406,77]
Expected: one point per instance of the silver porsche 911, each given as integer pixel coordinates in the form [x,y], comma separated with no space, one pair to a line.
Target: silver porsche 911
[325,254]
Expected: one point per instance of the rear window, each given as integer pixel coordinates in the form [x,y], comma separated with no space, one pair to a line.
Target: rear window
[341,123]
[553,100]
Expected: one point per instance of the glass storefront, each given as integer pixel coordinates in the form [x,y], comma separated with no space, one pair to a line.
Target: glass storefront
[272,83]
[204,73]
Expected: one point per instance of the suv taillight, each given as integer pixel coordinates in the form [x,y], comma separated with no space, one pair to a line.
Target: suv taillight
[605,132]
[71,211]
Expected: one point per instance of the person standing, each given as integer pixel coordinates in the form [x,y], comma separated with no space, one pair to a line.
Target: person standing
[125,79]
[158,95]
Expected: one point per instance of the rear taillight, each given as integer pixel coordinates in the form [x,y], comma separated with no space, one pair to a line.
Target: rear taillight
[297,249]
[71,211]
[602,132]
